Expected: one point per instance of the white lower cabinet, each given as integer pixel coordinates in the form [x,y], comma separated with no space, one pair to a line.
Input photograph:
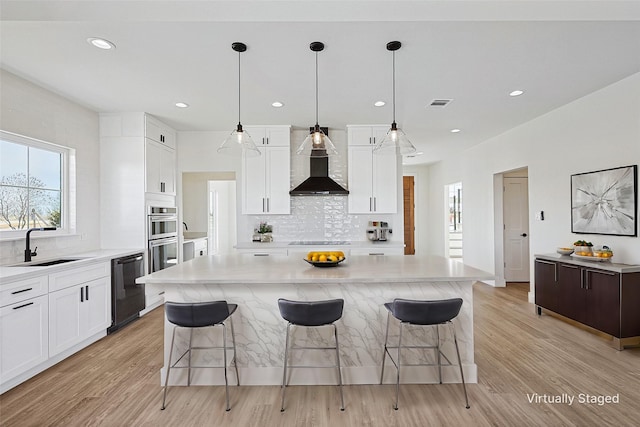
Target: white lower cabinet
[24,336]
[78,312]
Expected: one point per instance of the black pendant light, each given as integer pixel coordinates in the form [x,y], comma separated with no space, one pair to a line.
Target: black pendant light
[239,142]
[317,144]
[395,142]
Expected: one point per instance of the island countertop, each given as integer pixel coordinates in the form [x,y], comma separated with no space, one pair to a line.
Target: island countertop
[244,269]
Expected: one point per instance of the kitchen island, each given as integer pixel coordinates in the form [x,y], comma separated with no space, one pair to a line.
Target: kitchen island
[364,282]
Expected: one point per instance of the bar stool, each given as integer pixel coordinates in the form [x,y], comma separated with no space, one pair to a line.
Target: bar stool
[201,315]
[311,314]
[423,313]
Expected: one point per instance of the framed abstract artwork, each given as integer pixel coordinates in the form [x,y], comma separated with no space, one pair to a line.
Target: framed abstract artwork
[605,202]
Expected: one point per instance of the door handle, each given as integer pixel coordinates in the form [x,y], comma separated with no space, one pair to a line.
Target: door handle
[524,234]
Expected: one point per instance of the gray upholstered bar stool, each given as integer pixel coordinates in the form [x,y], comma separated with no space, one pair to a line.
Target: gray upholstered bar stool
[201,315]
[423,313]
[311,314]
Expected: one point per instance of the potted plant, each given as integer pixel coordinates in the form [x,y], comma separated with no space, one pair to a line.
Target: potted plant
[265,230]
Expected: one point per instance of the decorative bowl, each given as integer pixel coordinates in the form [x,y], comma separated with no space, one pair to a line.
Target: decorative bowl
[583,250]
[324,263]
[565,251]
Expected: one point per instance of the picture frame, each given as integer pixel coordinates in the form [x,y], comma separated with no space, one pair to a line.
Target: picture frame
[605,202]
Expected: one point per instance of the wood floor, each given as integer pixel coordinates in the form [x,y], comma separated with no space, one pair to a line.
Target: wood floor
[116,382]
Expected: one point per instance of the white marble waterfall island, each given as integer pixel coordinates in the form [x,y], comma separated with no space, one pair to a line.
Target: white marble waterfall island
[364,282]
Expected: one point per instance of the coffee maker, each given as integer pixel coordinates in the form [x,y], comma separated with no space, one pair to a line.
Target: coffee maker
[378,231]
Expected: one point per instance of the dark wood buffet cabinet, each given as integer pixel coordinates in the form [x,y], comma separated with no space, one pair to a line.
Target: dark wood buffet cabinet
[603,296]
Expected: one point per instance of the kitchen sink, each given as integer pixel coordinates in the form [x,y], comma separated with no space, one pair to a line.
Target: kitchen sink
[54,262]
[47,263]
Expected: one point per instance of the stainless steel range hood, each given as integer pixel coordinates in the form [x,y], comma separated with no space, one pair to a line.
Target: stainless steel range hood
[319,183]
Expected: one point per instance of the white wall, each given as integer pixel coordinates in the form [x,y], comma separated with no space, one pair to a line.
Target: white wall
[598,131]
[35,112]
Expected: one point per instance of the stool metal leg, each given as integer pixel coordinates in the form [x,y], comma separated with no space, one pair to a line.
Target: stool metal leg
[384,352]
[233,340]
[224,358]
[189,369]
[464,387]
[335,333]
[284,371]
[166,379]
[399,363]
[439,354]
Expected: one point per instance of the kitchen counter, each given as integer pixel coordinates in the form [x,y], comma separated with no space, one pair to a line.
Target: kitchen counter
[19,271]
[354,244]
[600,265]
[364,282]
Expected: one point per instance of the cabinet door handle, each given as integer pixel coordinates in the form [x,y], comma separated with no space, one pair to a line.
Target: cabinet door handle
[86,292]
[23,305]
[268,207]
[21,291]
[263,204]
[370,204]
[81,293]
[608,273]
[260,254]
[267,140]
[375,204]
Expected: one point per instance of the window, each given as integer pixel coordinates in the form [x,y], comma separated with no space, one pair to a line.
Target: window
[33,184]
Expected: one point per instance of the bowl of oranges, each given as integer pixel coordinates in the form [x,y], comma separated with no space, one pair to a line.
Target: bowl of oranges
[325,258]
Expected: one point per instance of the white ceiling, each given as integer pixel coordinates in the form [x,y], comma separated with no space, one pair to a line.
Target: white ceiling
[474,52]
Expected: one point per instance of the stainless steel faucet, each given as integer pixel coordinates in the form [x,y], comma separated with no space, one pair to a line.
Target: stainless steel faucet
[27,252]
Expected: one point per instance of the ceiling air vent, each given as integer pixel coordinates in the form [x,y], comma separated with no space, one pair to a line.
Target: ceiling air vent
[440,102]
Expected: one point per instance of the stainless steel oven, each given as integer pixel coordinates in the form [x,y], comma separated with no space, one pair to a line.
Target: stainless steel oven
[163,253]
[162,237]
[162,222]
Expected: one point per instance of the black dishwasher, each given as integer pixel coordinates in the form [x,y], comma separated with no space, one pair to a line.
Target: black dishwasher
[127,297]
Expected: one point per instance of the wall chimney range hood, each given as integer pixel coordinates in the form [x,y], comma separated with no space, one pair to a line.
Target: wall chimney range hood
[319,183]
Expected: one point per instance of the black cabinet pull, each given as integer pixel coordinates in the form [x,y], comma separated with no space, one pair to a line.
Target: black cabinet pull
[86,292]
[81,294]
[21,291]
[23,305]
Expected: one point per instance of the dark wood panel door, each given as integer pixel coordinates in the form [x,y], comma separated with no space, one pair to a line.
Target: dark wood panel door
[409,215]
[546,276]
[571,292]
[603,300]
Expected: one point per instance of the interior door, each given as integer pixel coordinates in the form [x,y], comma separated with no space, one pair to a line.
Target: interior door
[409,219]
[516,229]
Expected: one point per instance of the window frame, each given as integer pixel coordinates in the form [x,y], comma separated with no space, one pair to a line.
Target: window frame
[67,184]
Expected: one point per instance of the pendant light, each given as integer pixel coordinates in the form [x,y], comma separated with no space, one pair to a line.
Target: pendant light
[239,142]
[395,142]
[317,144]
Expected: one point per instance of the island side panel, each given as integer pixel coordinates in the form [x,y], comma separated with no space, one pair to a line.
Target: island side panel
[260,333]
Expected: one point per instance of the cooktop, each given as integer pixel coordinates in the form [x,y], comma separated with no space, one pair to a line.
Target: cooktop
[319,242]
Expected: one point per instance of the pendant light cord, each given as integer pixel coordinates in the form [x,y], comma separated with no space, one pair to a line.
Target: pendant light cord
[316,88]
[238,87]
[394,85]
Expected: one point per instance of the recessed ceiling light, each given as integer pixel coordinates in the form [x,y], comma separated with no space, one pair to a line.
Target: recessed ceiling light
[516,93]
[455,130]
[182,105]
[379,103]
[277,104]
[101,43]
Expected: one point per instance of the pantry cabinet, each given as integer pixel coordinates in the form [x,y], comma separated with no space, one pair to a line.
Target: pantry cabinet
[373,179]
[600,296]
[266,178]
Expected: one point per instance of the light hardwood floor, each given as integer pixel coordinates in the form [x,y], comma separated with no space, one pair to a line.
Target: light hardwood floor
[115,382]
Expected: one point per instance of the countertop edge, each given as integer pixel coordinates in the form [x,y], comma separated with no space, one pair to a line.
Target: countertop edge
[604,265]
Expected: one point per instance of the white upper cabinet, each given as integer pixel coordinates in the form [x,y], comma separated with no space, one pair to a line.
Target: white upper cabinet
[160,168]
[270,136]
[373,179]
[159,132]
[266,178]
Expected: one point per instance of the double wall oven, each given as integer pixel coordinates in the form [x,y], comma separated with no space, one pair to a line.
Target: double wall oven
[163,237]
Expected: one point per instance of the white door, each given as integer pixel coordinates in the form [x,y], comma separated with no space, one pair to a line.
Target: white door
[65,319]
[516,229]
[360,163]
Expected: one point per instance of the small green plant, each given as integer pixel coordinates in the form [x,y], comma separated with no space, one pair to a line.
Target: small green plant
[264,228]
